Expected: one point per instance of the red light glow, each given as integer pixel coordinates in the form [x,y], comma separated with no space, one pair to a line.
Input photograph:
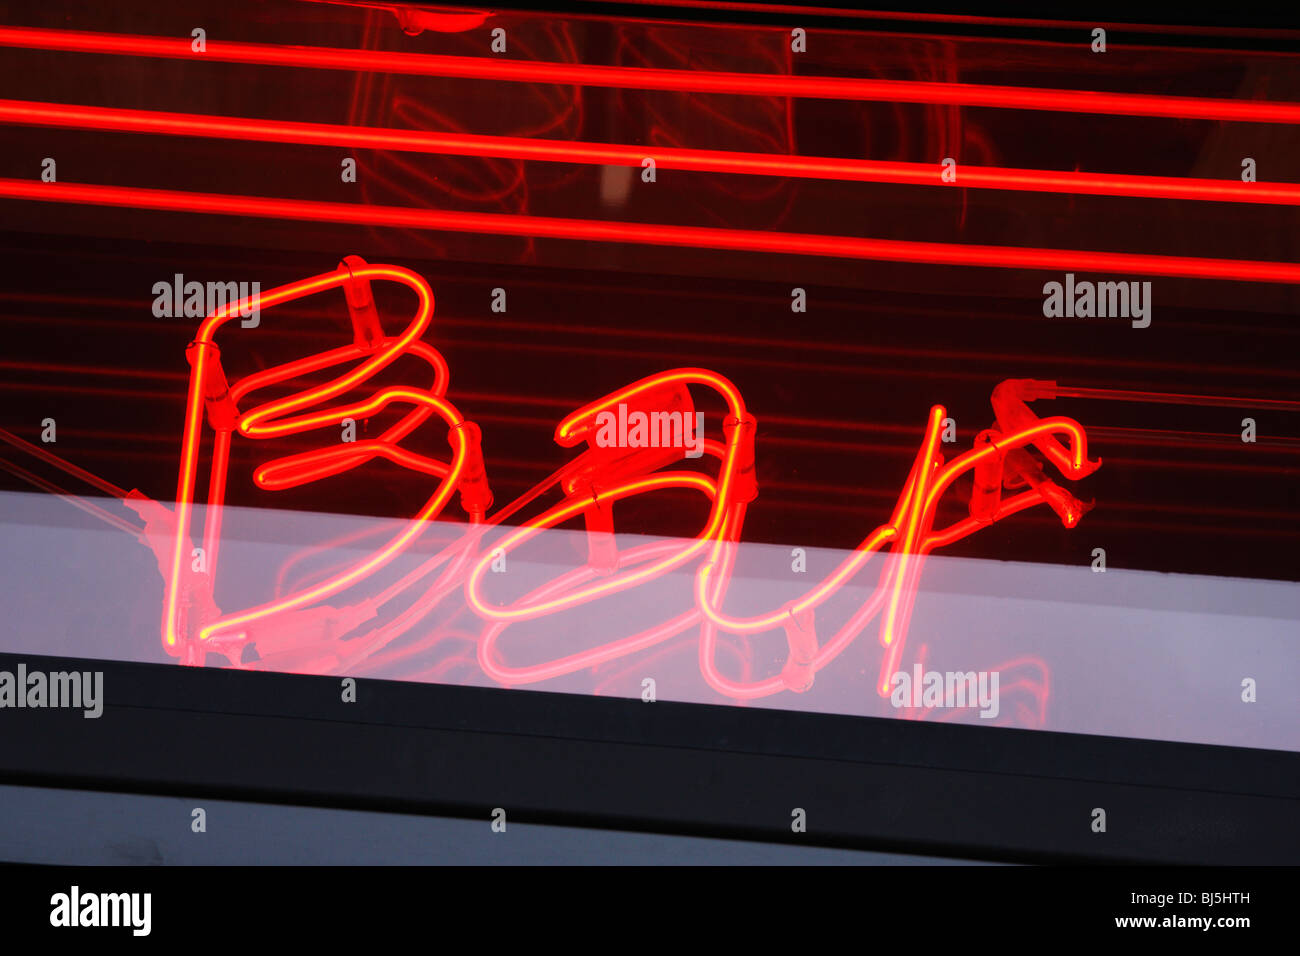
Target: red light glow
[695,160]
[298,629]
[644,78]
[700,237]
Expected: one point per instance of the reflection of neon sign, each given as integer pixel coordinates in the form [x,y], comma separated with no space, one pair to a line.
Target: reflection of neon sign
[313,633]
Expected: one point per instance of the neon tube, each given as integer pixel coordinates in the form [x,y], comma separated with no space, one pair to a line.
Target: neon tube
[30,113]
[642,78]
[1074,465]
[700,237]
[275,418]
[592,657]
[915,512]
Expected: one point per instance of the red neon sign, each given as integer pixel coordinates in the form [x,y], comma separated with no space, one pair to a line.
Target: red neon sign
[300,627]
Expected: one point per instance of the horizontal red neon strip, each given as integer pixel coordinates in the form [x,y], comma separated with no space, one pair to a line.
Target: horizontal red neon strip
[698,160]
[699,237]
[643,78]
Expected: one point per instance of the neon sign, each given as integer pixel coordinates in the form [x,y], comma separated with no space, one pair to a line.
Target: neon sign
[303,625]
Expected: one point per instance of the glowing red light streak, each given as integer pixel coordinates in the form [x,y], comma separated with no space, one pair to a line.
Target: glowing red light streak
[644,78]
[703,237]
[696,160]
